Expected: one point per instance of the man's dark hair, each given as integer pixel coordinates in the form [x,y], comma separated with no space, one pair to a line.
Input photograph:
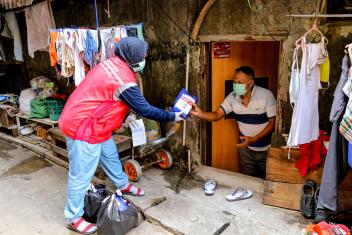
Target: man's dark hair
[247,70]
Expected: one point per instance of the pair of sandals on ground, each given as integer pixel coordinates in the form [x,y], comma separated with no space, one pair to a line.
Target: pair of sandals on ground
[83,227]
[236,195]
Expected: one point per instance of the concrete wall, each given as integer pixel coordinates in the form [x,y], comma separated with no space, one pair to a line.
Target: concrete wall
[165,69]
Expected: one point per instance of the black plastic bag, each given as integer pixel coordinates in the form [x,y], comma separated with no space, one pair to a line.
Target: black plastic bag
[116,216]
[92,202]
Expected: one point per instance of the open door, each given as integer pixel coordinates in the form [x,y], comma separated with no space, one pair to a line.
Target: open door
[263,57]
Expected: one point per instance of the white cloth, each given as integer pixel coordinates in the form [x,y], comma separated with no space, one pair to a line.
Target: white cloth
[305,118]
[294,81]
[11,30]
[39,19]
[78,50]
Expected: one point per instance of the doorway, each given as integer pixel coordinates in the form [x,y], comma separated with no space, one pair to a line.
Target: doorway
[263,57]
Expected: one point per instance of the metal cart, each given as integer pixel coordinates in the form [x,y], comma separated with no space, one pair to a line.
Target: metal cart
[149,154]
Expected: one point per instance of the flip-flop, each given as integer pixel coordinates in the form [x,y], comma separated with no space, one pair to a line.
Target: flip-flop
[209,187]
[239,194]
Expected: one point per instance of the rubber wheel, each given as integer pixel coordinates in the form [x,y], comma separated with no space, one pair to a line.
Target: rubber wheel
[166,157]
[133,170]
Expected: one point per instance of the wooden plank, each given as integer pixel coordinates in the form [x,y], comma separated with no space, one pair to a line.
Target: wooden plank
[288,196]
[46,121]
[58,150]
[283,195]
[280,168]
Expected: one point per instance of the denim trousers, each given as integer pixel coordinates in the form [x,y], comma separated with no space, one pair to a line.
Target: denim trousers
[83,161]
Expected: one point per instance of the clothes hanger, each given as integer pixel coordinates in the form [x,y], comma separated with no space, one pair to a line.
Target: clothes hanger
[314,27]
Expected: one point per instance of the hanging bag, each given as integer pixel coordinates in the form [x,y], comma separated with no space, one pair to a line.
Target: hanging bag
[294,81]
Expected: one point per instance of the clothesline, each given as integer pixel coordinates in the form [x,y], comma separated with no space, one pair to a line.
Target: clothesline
[320,15]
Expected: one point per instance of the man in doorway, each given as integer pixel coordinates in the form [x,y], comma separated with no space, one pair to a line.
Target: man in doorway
[254,109]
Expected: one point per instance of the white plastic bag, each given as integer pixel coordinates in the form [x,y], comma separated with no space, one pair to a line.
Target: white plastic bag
[25,99]
[294,82]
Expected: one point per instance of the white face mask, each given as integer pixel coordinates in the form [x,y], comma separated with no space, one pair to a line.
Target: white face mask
[138,67]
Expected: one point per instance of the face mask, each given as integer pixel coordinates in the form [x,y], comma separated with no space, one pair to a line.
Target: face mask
[239,89]
[138,67]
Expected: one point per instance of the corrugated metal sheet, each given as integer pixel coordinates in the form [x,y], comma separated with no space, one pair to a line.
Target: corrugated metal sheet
[10,4]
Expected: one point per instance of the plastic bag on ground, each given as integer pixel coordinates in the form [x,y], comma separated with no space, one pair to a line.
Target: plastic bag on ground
[92,202]
[116,216]
[25,99]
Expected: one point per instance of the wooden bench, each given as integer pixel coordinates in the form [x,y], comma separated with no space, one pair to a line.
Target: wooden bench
[42,121]
[58,142]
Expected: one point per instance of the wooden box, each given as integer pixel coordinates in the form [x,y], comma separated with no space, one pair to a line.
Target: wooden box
[283,185]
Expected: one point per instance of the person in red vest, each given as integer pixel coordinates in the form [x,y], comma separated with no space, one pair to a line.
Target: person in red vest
[94,110]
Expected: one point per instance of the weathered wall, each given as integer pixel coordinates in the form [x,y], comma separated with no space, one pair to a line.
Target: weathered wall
[165,69]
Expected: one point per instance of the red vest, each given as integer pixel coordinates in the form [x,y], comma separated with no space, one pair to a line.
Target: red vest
[91,113]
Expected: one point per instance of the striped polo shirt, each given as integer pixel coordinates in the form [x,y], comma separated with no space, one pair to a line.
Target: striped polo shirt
[253,118]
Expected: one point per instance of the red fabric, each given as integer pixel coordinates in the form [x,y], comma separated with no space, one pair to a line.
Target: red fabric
[91,113]
[311,154]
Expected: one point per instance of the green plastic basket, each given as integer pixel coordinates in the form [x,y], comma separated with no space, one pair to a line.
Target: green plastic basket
[54,108]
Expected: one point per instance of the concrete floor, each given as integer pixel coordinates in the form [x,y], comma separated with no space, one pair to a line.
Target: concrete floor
[33,195]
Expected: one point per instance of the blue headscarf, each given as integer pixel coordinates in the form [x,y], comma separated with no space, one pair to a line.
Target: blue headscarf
[131,49]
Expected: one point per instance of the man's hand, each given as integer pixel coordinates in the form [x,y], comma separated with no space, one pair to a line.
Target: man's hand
[196,111]
[246,140]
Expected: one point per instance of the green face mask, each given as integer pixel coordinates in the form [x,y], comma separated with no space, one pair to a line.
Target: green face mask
[138,67]
[239,89]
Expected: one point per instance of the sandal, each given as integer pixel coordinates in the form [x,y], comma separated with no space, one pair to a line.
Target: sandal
[82,227]
[308,198]
[239,194]
[132,190]
[209,187]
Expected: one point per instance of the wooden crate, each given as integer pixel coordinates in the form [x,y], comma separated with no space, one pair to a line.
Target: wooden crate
[283,185]
[287,195]
[58,142]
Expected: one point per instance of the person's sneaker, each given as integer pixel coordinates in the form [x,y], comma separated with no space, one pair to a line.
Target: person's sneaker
[82,227]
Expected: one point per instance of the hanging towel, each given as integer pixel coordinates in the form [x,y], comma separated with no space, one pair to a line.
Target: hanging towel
[39,20]
[11,30]
[91,47]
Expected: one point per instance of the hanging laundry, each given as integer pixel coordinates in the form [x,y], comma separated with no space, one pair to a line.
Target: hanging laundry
[119,32]
[135,31]
[68,64]
[311,154]
[107,43]
[294,81]
[39,20]
[52,48]
[91,47]
[325,72]
[305,118]
[346,123]
[336,166]
[79,48]
[11,30]
[10,4]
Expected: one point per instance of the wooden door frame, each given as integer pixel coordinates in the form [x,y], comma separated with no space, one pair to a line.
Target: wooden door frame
[206,40]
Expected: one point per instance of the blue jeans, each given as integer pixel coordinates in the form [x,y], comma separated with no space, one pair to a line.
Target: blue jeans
[83,162]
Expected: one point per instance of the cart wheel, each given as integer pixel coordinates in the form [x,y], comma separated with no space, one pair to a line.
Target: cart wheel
[166,157]
[133,170]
